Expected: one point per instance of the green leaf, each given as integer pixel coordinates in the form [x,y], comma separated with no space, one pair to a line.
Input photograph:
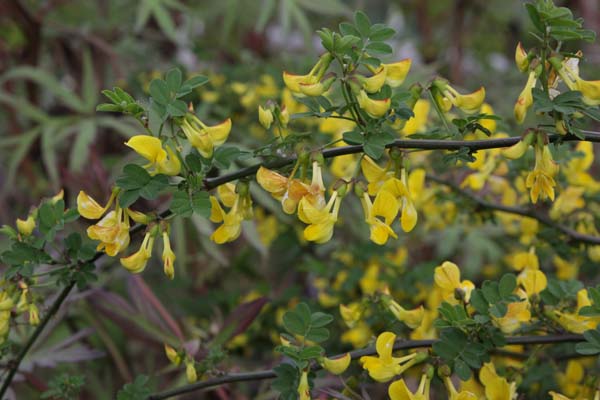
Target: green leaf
[180,204]
[319,319]
[294,323]
[191,84]
[173,79]
[353,137]
[587,348]
[347,28]
[507,285]
[151,190]
[363,24]
[134,177]
[379,47]
[381,32]
[177,108]
[137,390]
[462,370]
[128,197]
[318,335]
[534,17]
[159,90]
[201,204]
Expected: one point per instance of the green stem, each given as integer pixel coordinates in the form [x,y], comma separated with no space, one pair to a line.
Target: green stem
[14,364]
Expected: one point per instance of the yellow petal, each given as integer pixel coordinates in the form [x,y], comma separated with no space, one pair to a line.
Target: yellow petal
[409,217]
[399,391]
[447,276]
[396,72]
[386,206]
[338,365]
[385,345]
[148,147]
[88,207]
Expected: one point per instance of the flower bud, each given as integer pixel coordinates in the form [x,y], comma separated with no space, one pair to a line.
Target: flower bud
[190,371]
[172,355]
[26,227]
[336,366]
[521,58]
[265,117]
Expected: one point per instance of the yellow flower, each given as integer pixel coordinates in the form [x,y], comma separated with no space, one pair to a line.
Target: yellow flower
[294,82]
[337,366]
[151,148]
[316,88]
[399,391]
[112,231]
[303,387]
[26,227]
[190,371]
[447,278]
[89,208]
[136,262]
[34,316]
[384,367]
[351,313]
[570,382]
[265,117]
[453,394]
[533,281]
[567,202]
[231,226]
[418,121]
[400,189]
[385,206]
[375,108]
[496,387]
[172,355]
[525,99]
[321,220]
[205,138]
[516,313]
[412,318]
[521,58]
[396,72]
[374,174]
[574,322]
[374,83]
[569,72]
[540,180]
[566,270]
[469,103]
[168,256]
[524,260]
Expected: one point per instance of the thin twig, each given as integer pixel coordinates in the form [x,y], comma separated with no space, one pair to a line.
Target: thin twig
[423,144]
[17,362]
[543,218]
[399,345]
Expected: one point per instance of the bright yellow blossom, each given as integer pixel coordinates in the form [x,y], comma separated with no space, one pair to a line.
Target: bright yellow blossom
[385,206]
[384,367]
[496,387]
[399,391]
[205,138]
[396,72]
[336,366]
[303,387]
[525,99]
[447,278]
[376,108]
[136,262]
[160,161]
[26,227]
[168,256]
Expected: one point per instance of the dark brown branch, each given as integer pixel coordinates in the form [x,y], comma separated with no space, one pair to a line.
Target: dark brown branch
[422,144]
[399,345]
